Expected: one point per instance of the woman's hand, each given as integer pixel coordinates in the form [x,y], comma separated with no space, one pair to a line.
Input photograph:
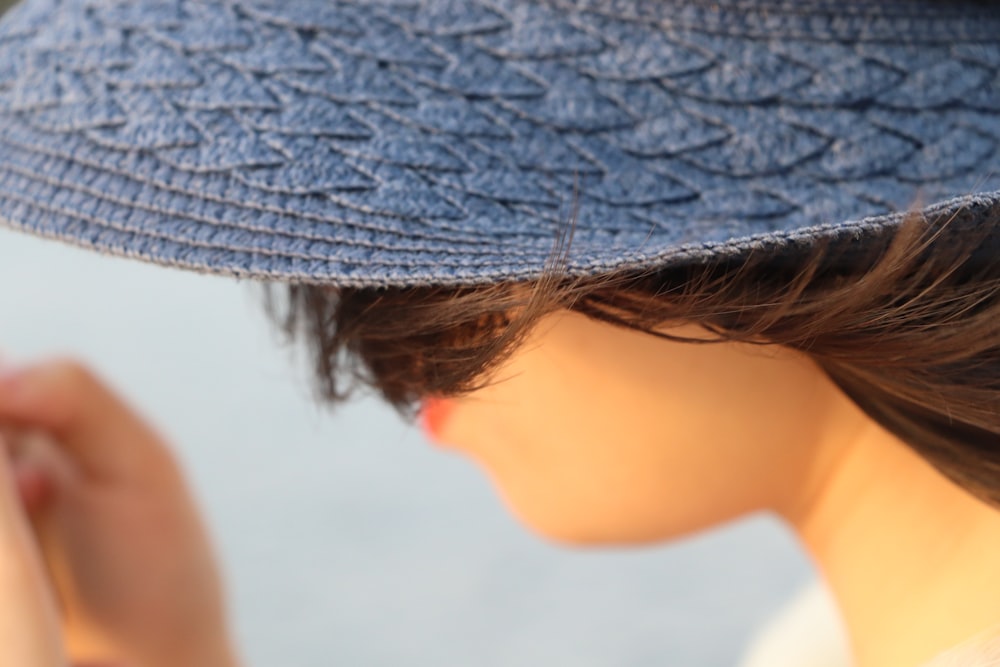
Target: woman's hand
[120,534]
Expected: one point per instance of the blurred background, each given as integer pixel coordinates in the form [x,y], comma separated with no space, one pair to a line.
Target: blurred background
[345,538]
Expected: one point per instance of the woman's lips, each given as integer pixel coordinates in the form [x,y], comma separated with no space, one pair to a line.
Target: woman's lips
[433,415]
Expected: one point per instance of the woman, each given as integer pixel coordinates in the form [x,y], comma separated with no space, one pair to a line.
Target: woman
[711,336]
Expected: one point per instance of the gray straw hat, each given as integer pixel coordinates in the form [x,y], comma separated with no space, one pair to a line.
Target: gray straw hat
[404,142]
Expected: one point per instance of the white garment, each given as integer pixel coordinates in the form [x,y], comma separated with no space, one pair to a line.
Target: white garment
[806,632]
[809,632]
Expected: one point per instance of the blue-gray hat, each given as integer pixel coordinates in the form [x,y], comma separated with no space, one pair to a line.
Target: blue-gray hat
[399,142]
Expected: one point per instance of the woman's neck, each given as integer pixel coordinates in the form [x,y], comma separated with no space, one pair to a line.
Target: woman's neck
[911,558]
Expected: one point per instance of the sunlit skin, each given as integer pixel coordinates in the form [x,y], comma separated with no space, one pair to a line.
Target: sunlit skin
[596,435]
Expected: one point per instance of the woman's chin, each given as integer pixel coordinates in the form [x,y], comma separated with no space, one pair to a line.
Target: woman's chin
[567,520]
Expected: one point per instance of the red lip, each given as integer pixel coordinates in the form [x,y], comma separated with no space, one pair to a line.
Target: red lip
[433,415]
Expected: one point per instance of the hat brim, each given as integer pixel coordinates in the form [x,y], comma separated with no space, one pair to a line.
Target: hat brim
[447,142]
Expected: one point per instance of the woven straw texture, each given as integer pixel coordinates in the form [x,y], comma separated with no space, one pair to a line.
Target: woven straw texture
[393,142]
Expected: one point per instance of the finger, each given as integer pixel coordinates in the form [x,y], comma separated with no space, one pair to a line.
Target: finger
[10,509]
[27,481]
[29,625]
[11,443]
[102,434]
[37,465]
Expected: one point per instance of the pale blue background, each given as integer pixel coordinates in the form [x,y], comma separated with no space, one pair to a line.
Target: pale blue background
[346,539]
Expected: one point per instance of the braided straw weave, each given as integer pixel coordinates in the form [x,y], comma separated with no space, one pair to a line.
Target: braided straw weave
[391,142]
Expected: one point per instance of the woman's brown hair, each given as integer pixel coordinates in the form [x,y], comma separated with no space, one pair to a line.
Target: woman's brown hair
[906,321]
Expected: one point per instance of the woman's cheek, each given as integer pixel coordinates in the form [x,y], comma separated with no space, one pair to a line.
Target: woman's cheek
[563,478]
[501,443]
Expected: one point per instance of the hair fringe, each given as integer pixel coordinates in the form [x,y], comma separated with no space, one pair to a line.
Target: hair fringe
[905,320]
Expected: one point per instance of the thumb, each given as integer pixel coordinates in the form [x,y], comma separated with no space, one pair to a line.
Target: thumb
[29,622]
[101,434]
